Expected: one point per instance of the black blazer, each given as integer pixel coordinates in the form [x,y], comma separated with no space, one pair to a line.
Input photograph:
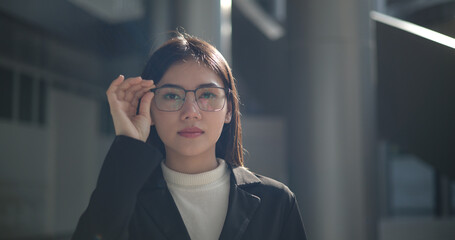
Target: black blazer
[131,201]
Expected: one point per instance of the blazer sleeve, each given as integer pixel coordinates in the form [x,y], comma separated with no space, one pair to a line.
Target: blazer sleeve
[293,225]
[126,168]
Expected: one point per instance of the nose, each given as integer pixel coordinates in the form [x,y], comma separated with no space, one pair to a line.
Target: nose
[190,109]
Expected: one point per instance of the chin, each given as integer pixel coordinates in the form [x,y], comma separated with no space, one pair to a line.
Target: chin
[190,150]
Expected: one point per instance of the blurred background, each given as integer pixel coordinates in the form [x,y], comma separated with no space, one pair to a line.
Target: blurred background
[350,103]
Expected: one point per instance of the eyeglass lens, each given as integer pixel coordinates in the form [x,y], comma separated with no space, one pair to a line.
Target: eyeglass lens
[172,99]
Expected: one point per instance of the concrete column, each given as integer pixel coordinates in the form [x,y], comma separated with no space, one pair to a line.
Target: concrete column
[331,118]
[209,20]
[199,17]
[159,21]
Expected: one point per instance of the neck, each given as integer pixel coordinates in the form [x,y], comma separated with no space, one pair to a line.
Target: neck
[191,164]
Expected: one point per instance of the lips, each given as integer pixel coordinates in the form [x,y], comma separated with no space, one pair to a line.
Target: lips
[191,132]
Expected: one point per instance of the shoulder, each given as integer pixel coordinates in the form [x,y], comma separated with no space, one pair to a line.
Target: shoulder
[261,185]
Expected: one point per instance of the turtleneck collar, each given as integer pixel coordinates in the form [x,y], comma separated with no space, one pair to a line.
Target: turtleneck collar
[192,180]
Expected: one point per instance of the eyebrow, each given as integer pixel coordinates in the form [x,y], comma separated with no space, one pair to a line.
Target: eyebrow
[201,85]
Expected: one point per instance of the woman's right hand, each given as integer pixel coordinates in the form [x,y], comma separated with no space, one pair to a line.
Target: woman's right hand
[123,96]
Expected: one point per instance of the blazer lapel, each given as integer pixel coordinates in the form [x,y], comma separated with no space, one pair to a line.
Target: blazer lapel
[242,205]
[158,202]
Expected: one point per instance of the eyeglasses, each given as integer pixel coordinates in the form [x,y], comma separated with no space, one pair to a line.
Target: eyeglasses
[171,99]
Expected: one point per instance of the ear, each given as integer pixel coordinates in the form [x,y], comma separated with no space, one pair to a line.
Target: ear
[228,114]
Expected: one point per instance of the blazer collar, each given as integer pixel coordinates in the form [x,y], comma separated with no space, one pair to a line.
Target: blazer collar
[242,204]
[243,176]
[156,199]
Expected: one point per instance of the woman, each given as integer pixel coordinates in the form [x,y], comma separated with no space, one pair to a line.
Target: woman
[175,169]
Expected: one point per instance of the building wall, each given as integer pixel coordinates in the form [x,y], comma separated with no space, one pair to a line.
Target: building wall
[52,141]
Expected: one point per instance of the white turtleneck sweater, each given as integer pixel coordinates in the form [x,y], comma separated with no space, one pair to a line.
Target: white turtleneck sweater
[202,199]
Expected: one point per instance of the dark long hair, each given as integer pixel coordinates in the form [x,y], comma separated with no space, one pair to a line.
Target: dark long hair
[184,47]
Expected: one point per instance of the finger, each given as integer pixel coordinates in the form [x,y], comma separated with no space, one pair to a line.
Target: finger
[137,91]
[118,80]
[122,92]
[129,82]
[141,92]
[126,85]
[144,108]
[147,83]
[114,85]
[132,91]
[138,96]
[134,101]
[111,91]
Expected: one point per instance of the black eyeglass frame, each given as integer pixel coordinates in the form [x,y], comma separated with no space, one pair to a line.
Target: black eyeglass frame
[227,92]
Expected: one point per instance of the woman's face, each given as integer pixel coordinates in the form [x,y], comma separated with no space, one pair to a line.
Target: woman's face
[190,132]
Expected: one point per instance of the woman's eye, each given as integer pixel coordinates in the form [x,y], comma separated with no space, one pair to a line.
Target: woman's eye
[171,96]
[207,95]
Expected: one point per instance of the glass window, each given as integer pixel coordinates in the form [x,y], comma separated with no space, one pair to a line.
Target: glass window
[412,186]
[42,102]
[25,98]
[452,198]
[6,93]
